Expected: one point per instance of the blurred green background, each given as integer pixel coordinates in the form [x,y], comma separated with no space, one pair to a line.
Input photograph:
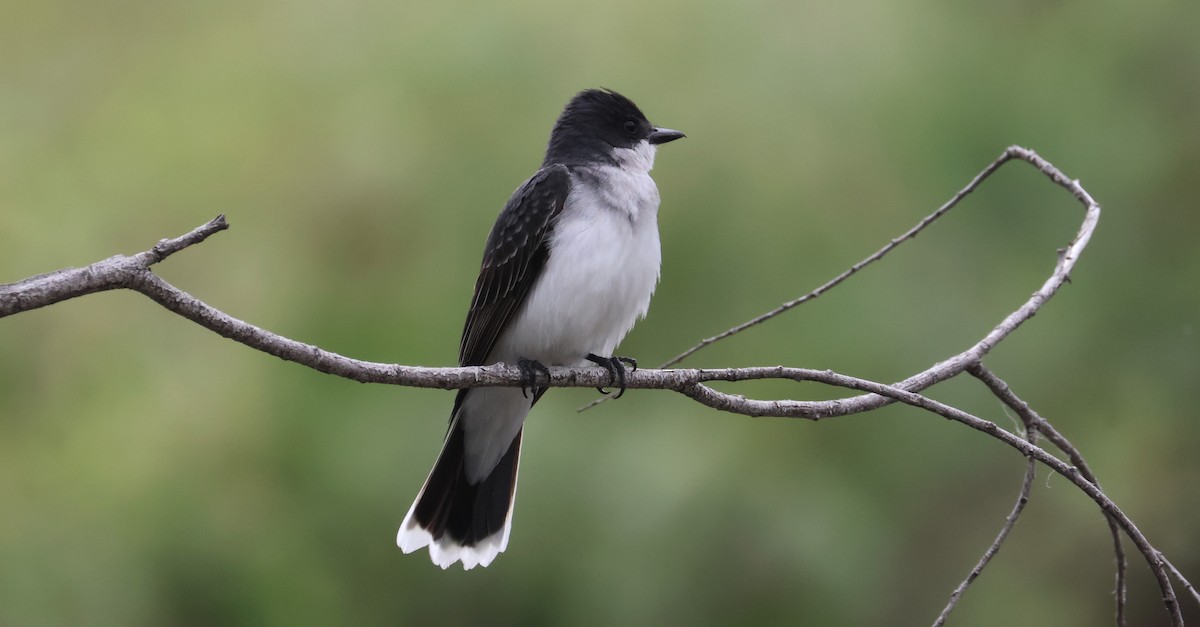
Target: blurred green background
[153,473]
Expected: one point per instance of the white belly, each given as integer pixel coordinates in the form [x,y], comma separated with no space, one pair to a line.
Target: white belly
[602,269]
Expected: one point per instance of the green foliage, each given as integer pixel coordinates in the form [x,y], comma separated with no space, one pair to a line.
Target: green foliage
[153,473]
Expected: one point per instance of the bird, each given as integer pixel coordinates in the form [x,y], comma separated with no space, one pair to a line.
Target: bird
[568,268]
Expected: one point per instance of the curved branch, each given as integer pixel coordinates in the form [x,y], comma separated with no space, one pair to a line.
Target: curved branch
[1154,559]
[1034,421]
[958,363]
[134,273]
[1010,521]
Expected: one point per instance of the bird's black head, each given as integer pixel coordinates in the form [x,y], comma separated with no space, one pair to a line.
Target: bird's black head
[596,122]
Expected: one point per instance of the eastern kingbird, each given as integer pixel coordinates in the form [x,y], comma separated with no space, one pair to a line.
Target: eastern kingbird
[569,267]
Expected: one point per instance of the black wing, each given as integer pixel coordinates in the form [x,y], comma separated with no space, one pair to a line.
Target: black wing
[513,259]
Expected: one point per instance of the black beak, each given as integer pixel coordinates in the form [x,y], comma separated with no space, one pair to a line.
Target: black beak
[664,135]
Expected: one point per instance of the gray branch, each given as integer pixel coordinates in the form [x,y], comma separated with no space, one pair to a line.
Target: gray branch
[956,364]
[134,273]
[1031,433]
[1035,422]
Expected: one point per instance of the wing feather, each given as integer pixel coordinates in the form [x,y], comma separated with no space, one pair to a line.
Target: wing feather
[513,258]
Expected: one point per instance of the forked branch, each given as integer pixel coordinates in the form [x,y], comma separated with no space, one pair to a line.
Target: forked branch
[135,273]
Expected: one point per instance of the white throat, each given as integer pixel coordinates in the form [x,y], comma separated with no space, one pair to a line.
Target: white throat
[636,160]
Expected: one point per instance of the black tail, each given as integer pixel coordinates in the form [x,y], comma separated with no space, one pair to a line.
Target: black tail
[459,520]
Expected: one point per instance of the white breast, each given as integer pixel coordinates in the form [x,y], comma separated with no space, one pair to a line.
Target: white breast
[602,269]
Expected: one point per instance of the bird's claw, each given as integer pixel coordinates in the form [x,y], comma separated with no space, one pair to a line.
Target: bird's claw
[616,371]
[530,369]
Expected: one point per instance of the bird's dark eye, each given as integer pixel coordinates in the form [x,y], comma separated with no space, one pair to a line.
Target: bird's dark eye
[631,127]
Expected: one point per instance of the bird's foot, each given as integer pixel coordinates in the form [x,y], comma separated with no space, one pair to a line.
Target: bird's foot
[530,369]
[616,371]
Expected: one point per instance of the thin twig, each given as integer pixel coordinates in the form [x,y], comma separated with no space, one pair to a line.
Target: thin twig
[876,256]
[1012,152]
[1030,417]
[134,273]
[1009,522]
[1154,559]
[954,365]
[1186,584]
[110,274]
